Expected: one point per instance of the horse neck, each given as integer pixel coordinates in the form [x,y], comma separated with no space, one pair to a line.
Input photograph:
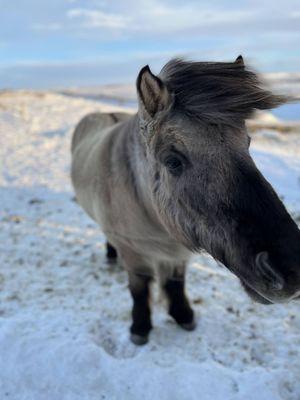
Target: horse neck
[139,167]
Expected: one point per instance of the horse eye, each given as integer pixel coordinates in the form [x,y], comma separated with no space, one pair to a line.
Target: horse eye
[174,165]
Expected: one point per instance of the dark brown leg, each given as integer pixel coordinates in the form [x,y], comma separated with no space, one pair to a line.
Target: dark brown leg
[111,252]
[140,275]
[179,307]
[139,286]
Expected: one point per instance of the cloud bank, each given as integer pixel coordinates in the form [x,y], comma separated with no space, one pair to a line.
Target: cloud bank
[75,34]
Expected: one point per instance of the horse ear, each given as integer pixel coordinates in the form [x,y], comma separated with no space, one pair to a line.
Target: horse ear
[240,61]
[152,92]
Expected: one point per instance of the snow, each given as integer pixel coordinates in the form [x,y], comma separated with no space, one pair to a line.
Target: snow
[278,156]
[64,312]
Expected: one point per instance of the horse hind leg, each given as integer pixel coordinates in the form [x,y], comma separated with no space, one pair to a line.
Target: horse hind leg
[111,253]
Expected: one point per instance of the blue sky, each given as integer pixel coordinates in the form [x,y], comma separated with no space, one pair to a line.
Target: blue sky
[87,42]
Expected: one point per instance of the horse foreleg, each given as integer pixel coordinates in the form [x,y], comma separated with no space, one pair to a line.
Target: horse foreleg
[179,307]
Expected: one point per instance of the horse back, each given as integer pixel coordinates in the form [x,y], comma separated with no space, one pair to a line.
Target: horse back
[95,123]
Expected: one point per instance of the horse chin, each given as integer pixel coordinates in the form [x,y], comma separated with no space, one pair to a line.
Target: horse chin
[255,296]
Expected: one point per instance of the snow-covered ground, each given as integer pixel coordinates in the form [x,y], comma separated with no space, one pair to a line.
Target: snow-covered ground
[64,312]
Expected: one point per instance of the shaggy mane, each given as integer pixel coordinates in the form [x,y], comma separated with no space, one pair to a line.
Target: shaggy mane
[218,92]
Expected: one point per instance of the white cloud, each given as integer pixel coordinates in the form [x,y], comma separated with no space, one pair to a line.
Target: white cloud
[160,19]
[98,18]
[164,17]
[295,14]
[155,17]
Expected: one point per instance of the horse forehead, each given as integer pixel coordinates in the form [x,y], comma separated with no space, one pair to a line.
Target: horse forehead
[181,133]
[191,139]
[195,135]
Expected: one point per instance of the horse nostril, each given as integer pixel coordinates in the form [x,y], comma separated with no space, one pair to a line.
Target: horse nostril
[274,278]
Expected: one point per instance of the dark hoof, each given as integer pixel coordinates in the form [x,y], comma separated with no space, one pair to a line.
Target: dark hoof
[190,326]
[184,317]
[138,340]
